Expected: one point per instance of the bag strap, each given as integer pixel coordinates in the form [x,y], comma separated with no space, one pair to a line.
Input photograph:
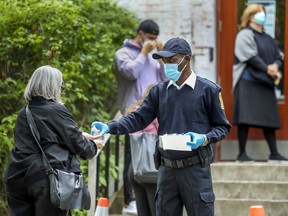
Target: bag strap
[36,136]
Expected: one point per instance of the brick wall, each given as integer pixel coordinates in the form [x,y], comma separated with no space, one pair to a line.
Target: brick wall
[194,20]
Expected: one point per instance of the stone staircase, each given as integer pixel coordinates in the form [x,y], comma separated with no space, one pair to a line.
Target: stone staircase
[238,186]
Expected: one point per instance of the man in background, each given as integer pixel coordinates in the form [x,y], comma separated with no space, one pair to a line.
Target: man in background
[136,70]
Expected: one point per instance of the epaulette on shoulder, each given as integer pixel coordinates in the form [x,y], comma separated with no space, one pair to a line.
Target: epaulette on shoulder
[211,83]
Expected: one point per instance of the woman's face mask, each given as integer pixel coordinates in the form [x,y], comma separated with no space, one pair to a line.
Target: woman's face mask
[260,18]
[172,72]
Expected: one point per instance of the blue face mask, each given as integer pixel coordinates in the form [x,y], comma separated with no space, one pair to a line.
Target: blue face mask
[172,72]
[260,18]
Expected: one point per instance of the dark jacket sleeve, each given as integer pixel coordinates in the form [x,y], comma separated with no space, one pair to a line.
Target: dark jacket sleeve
[220,125]
[257,63]
[70,135]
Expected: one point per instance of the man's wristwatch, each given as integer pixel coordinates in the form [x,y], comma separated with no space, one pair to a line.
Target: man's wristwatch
[205,141]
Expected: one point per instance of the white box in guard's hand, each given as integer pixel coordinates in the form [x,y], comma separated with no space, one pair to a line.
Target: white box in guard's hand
[176,142]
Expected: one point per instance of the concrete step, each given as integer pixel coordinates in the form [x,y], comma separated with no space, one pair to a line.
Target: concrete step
[251,190]
[117,204]
[238,186]
[240,207]
[255,171]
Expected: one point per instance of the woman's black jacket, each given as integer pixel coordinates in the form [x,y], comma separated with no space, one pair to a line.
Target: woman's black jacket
[61,140]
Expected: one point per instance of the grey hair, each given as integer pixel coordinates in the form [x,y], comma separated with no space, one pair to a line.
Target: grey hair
[46,82]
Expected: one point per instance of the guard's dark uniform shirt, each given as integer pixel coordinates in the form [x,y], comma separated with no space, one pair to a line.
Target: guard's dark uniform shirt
[198,110]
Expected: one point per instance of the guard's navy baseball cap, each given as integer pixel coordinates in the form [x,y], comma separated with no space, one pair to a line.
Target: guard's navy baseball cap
[173,47]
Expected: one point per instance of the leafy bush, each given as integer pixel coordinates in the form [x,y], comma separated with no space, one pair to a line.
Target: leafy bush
[79,37]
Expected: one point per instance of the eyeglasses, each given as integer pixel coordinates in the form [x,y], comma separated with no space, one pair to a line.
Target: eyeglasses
[62,86]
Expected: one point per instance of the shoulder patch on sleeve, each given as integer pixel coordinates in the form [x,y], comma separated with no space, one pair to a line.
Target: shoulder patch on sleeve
[221,101]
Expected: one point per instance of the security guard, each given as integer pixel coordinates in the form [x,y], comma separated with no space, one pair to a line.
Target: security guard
[186,104]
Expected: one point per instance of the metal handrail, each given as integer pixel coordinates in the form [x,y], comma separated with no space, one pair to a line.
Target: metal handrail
[94,170]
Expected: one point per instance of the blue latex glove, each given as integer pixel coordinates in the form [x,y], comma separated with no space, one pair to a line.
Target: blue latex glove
[197,140]
[103,128]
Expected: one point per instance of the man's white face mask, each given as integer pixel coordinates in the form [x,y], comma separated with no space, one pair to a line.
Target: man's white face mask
[145,41]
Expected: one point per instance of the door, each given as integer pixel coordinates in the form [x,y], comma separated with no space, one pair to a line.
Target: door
[228,17]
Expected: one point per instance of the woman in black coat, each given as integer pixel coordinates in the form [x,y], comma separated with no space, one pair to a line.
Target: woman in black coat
[27,185]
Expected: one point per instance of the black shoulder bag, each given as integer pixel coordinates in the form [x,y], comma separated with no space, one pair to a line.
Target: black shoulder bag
[67,190]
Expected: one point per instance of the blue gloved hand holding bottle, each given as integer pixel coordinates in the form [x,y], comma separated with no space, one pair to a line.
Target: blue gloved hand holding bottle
[99,126]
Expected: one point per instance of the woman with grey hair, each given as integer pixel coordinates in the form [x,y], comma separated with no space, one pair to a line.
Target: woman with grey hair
[27,185]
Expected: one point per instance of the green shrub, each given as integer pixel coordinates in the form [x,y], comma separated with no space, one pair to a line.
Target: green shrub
[80,38]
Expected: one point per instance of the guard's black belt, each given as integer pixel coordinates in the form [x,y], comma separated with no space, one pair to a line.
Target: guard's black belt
[181,163]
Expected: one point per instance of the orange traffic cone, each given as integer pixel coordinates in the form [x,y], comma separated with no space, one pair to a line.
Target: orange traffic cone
[102,207]
[257,210]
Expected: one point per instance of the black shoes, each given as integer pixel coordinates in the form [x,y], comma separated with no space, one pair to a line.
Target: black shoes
[242,157]
[277,157]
